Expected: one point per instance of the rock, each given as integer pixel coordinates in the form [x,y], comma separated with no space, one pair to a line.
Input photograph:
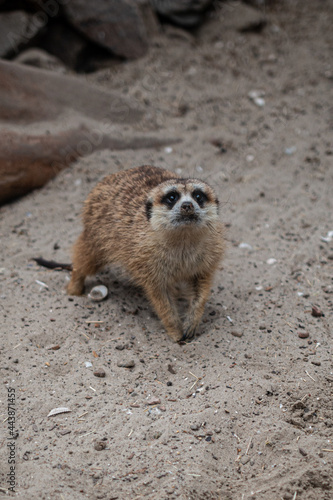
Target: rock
[117,25]
[236,334]
[316,312]
[187,13]
[241,17]
[126,364]
[40,59]
[99,373]
[32,95]
[17,29]
[100,445]
[27,162]
[303,335]
[154,401]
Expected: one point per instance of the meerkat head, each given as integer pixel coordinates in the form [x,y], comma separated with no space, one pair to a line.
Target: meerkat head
[182,203]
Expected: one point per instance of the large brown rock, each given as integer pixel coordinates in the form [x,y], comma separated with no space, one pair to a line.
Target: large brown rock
[29,161]
[118,25]
[29,95]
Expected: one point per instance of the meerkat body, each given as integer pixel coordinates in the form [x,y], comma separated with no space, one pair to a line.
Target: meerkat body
[163,230]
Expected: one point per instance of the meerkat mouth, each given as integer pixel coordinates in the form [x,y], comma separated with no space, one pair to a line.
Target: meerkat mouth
[186,219]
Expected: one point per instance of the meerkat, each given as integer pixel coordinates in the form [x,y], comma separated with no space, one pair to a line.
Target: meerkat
[164,230]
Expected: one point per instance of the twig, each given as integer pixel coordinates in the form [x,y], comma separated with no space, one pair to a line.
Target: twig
[197,379]
[248,446]
[308,374]
[83,435]
[237,437]
[51,264]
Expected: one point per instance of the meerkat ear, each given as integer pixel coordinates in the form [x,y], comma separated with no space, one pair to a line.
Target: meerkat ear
[149,206]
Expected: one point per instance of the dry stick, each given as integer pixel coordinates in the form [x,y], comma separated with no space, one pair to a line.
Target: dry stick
[308,374]
[248,446]
[51,264]
[195,381]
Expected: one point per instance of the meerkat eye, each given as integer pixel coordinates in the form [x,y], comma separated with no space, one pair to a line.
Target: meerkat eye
[170,199]
[199,196]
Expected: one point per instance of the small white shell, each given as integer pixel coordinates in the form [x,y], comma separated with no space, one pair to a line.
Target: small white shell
[98,293]
[56,411]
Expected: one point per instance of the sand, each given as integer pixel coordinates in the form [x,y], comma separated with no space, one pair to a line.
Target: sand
[245,410]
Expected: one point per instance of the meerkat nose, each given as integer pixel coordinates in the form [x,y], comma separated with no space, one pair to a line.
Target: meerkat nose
[187,207]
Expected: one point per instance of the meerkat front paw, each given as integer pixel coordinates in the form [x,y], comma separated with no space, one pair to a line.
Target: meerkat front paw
[175,335]
[188,333]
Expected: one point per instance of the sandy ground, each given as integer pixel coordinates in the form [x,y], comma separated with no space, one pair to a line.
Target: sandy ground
[245,411]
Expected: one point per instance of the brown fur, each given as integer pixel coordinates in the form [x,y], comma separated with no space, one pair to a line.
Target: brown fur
[120,228]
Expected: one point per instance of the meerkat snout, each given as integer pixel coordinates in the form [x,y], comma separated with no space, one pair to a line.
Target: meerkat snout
[187,208]
[163,230]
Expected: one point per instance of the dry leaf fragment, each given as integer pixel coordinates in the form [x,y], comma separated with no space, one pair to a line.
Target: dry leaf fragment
[56,411]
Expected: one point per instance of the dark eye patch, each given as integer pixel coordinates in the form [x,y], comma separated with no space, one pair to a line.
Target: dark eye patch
[170,199]
[200,197]
[149,207]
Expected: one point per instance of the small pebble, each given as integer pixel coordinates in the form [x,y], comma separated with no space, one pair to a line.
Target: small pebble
[126,364]
[99,373]
[100,445]
[153,401]
[303,335]
[316,312]
[237,334]
[302,452]
[194,427]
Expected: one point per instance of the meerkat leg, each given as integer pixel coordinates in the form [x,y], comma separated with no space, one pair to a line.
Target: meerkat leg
[201,289]
[84,264]
[165,306]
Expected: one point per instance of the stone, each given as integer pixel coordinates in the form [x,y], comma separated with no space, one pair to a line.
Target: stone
[100,445]
[126,363]
[82,112]
[241,17]
[40,59]
[17,29]
[153,401]
[27,162]
[30,95]
[117,25]
[186,13]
